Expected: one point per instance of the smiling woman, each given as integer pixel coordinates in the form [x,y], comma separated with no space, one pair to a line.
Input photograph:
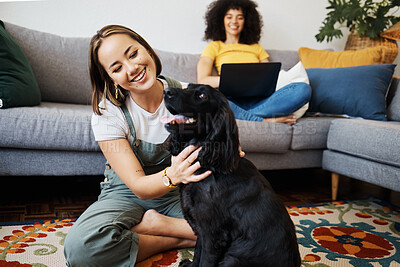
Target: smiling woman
[138,212]
[234,28]
[126,68]
[130,69]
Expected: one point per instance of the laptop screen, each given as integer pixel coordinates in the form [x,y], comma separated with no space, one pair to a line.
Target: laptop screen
[249,80]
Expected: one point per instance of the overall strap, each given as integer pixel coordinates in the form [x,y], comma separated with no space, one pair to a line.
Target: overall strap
[152,157]
[171,82]
[129,121]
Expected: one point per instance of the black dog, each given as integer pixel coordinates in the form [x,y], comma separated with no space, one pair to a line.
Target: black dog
[235,214]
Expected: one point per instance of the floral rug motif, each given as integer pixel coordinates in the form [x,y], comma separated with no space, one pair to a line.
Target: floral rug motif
[38,244]
[352,233]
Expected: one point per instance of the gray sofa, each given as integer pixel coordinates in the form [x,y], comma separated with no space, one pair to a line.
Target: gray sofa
[55,138]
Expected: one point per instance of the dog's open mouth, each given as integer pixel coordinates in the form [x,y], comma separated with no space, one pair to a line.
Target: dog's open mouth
[178,120]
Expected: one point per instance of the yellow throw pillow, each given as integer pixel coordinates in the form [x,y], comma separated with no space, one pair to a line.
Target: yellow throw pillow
[313,58]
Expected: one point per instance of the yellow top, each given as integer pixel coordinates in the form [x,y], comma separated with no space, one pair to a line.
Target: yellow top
[222,53]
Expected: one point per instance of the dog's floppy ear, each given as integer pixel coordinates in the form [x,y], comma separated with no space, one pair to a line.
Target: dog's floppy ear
[193,85]
[221,152]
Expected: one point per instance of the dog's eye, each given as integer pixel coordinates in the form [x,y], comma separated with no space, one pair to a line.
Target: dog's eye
[202,96]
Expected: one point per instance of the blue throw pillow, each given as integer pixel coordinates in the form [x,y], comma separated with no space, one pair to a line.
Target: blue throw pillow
[355,91]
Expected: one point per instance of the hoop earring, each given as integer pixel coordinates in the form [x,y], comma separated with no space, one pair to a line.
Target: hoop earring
[117,91]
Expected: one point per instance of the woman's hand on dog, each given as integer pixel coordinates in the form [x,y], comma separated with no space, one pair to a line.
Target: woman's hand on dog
[184,165]
[241,152]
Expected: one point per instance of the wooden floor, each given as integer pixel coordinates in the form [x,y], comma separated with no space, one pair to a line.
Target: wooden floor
[37,198]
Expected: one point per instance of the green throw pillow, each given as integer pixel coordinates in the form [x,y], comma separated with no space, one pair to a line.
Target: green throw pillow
[18,86]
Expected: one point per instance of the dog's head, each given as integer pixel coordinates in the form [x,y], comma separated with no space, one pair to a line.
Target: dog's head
[202,117]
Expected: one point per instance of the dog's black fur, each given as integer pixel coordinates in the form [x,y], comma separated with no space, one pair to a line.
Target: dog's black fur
[234,212]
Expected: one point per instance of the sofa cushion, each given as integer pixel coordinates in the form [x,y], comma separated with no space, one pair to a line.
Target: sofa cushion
[60,64]
[368,139]
[31,162]
[264,137]
[51,126]
[288,58]
[310,133]
[289,160]
[18,86]
[313,58]
[355,91]
[179,66]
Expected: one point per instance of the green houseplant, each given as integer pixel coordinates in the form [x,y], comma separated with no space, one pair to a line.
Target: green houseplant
[364,17]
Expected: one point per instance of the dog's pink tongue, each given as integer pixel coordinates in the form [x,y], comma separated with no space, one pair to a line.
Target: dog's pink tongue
[169,118]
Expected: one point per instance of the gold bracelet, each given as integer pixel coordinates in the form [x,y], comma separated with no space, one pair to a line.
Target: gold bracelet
[166,180]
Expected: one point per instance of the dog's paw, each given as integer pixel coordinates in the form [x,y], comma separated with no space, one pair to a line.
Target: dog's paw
[185,263]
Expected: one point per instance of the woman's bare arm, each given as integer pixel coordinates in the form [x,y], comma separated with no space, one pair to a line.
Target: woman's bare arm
[126,165]
[204,70]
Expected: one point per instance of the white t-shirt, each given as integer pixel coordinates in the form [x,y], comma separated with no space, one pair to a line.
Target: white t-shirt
[148,127]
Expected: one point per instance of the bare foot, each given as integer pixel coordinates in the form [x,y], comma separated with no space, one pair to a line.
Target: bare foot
[150,245]
[156,224]
[158,233]
[290,120]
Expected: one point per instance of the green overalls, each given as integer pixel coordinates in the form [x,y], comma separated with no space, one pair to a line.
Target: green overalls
[101,236]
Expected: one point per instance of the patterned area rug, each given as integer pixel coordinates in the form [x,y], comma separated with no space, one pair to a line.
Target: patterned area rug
[352,233]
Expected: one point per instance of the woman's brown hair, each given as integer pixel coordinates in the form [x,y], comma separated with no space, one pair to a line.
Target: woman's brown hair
[102,85]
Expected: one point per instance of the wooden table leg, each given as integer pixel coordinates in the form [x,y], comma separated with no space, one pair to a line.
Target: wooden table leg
[335,184]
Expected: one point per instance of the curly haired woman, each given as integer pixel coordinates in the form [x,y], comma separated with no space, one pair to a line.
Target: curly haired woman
[234,28]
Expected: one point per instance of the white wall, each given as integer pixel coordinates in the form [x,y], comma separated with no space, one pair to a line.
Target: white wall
[172,25]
